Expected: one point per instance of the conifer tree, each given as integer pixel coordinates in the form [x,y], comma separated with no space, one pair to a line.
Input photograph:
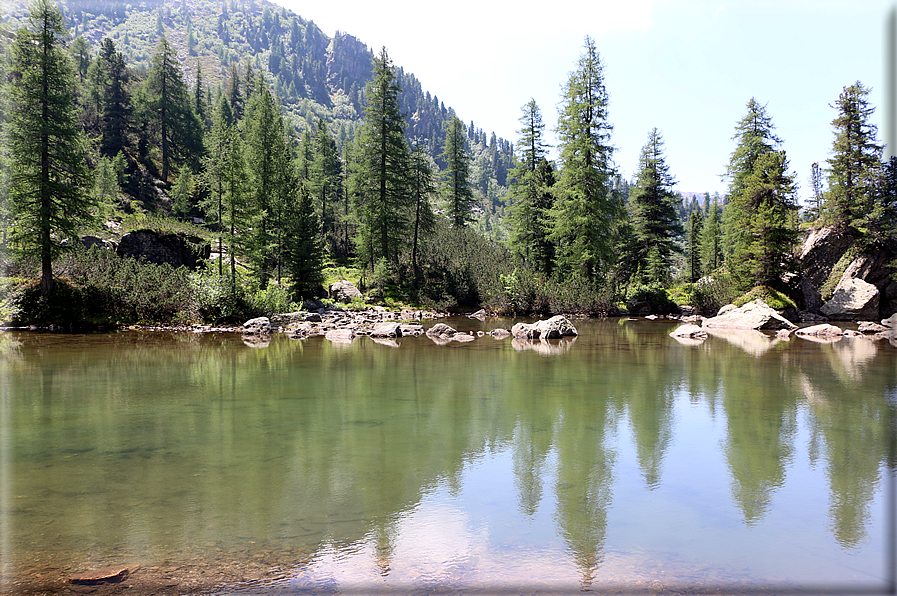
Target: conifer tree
[456,177]
[755,136]
[265,159]
[326,182]
[380,177]
[422,187]
[711,245]
[816,193]
[224,175]
[49,172]
[767,220]
[117,112]
[305,249]
[693,246]
[855,162]
[652,212]
[585,207]
[170,108]
[531,188]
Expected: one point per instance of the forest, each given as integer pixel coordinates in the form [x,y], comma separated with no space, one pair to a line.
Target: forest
[302,160]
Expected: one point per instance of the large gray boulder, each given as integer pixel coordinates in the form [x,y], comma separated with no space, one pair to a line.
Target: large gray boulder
[821,329]
[852,300]
[689,330]
[441,330]
[386,330]
[257,326]
[344,291]
[556,327]
[753,315]
[178,250]
[820,252]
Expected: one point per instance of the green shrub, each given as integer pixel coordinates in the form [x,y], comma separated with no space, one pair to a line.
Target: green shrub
[272,300]
[711,293]
[651,296]
[775,299]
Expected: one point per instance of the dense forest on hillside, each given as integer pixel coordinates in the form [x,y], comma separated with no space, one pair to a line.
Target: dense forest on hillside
[301,158]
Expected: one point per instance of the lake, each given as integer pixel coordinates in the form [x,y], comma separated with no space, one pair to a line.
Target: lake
[619,460]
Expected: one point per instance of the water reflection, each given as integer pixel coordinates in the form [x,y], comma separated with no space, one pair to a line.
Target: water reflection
[165,447]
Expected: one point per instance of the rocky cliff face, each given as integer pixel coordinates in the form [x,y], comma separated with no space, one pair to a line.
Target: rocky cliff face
[865,288]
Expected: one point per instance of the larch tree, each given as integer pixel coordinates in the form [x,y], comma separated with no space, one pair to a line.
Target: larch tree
[170,109]
[49,173]
[693,246]
[855,162]
[711,242]
[585,207]
[532,186]
[652,212]
[380,176]
[117,110]
[457,190]
[326,174]
[265,152]
[422,188]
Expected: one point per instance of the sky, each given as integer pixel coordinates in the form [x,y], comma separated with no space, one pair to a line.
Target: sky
[686,67]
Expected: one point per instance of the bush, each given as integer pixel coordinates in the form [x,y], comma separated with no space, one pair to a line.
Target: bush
[649,298]
[775,299]
[711,293]
[272,300]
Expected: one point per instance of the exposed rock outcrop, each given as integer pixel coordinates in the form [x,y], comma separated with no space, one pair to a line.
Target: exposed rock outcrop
[821,250]
[556,327]
[175,249]
[753,315]
[344,291]
[852,300]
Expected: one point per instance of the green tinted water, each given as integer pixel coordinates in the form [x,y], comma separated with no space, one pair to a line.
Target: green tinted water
[622,459]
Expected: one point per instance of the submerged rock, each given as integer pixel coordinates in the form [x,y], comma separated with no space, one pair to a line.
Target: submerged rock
[823,329]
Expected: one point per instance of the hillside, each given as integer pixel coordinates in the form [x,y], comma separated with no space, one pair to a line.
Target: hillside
[315,76]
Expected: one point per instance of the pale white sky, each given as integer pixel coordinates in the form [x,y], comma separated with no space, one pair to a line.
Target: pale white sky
[687,67]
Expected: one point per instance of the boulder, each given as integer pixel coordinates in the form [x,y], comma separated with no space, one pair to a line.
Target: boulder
[556,327]
[499,333]
[411,329]
[689,330]
[344,291]
[822,329]
[340,336]
[890,321]
[753,315]
[441,330]
[821,250]
[178,250]
[91,241]
[853,300]
[258,326]
[462,337]
[870,327]
[386,330]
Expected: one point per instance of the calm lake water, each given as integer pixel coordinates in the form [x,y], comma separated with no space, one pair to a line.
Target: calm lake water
[622,460]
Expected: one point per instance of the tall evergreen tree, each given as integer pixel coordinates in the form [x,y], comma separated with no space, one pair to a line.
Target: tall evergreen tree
[304,249]
[265,158]
[456,177]
[169,105]
[326,182]
[693,246]
[422,187]
[754,136]
[117,115]
[585,208]
[855,162]
[767,208]
[224,175]
[47,147]
[711,242]
[381,182]
[816,193]
[652,212]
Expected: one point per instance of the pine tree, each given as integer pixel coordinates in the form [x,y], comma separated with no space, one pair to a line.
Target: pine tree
[456,177]
[182,195]
[652,212]
[585,208]
[305,250]
[380,178]
[711,243]
[326,182]
[693,246]
[422,188]
[47,148]
[265,158]
[169,105]
[117,113]
[755,136]
[856,158]
[768,222]
[816,193]
[224,175]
